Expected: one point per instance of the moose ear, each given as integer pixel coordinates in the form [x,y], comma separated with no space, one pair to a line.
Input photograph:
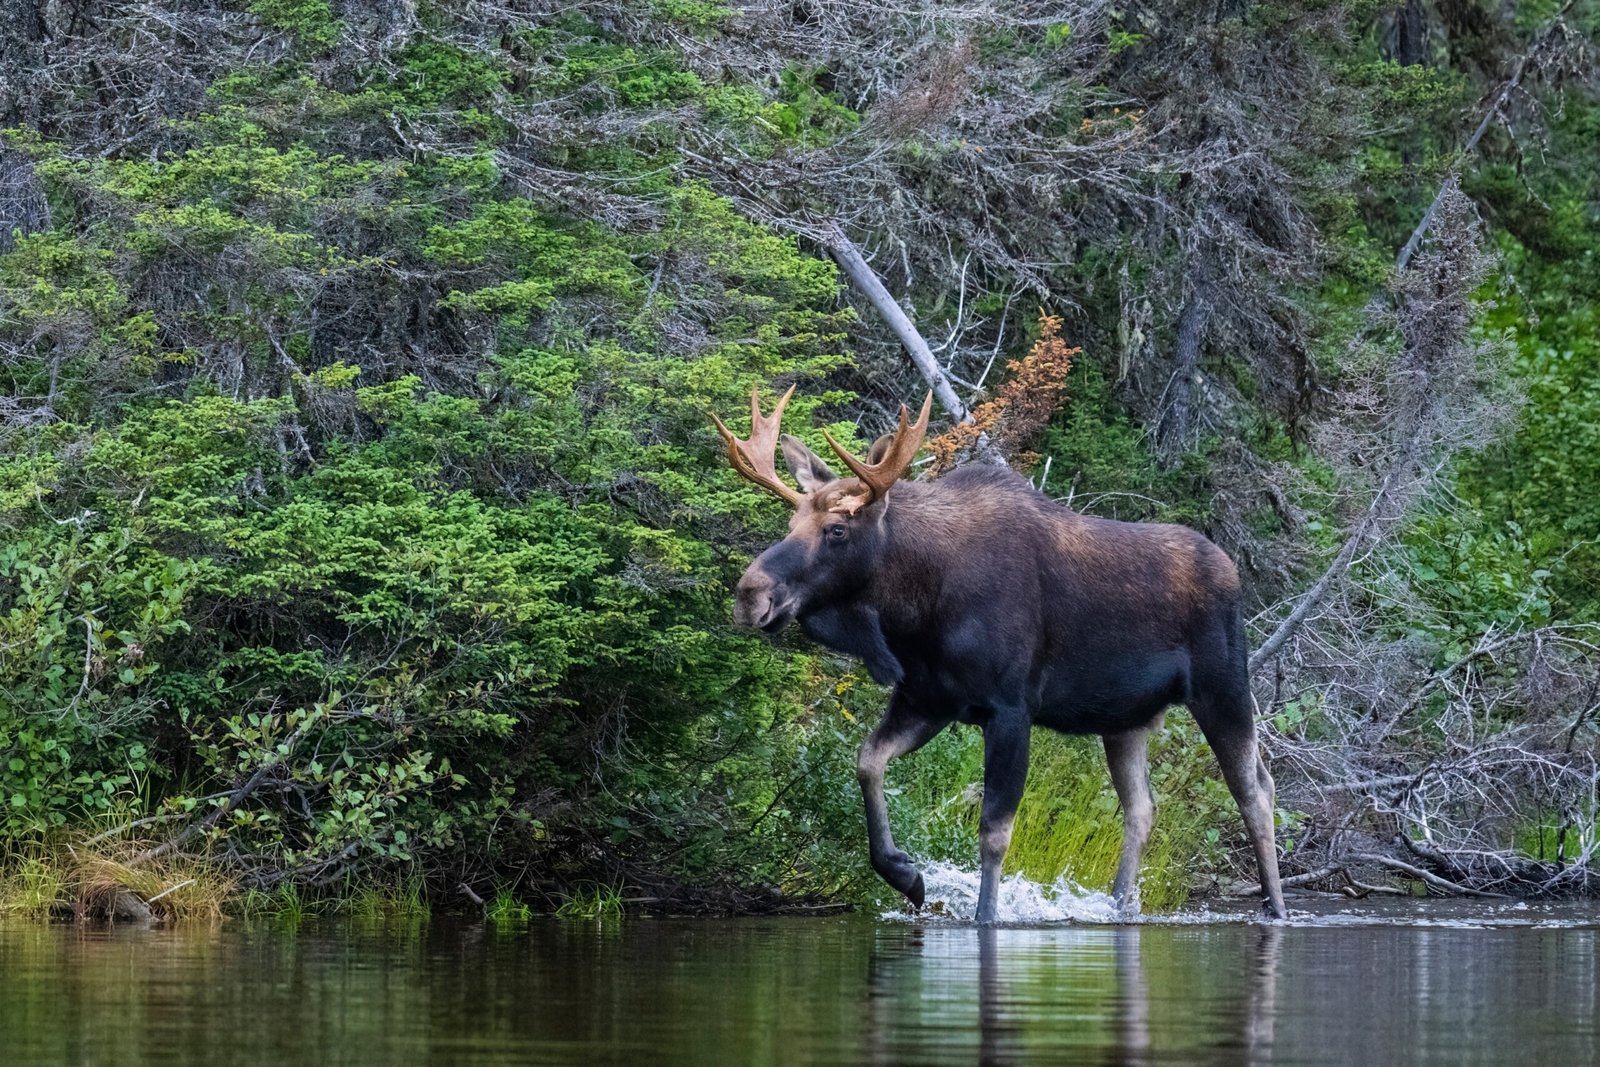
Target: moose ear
[880,448]
[806,466]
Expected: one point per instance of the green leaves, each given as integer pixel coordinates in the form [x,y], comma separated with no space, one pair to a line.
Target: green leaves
[311,21]
[80,637]
[394,530]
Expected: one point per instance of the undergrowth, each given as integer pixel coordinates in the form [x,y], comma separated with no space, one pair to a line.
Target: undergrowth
[1070,822]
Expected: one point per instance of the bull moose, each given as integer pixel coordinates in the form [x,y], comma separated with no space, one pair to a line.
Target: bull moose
[982,601]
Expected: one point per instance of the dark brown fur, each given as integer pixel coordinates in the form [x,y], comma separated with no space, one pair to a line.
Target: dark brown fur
[985,602]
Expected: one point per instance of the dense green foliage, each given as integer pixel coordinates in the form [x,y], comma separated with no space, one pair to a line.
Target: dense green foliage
[459,613]
[361,514]
[1536,493]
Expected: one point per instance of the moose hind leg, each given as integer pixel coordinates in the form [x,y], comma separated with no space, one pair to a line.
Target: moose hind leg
[1127,755]
[1005,772]
[1251,785]
[902,731]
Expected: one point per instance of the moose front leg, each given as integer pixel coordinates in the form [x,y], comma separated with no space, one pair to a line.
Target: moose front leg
[1005,771]
[902,730]
[854,629]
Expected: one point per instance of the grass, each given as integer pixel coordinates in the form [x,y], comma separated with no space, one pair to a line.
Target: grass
[505,909]
[282,903]
[1070,822]
[170,889]
[53,879]
[597,901]
[404,902]
[32,886]
[42,881]
[288,905]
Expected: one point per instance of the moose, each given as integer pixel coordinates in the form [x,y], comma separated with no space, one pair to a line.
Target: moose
[983,601]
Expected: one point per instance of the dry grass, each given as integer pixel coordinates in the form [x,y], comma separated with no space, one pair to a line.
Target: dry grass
[32,886]
[96,884]
[172,889]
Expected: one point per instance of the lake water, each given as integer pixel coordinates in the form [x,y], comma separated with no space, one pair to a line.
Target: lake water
[1368,983]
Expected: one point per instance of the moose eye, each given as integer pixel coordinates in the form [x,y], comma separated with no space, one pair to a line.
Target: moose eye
[837,532]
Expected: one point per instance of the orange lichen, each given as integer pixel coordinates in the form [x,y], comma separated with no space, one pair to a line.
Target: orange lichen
[1015,416]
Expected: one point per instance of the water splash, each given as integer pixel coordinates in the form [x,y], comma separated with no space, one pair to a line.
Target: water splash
[953,895]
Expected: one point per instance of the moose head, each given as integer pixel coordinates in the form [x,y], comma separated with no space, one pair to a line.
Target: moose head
[837,533]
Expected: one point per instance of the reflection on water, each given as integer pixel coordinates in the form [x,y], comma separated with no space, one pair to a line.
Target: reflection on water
[1365,986]
[1075,995]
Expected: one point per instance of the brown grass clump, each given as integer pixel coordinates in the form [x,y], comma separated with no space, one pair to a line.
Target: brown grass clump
[105,887]
[120,884]
[1015,416]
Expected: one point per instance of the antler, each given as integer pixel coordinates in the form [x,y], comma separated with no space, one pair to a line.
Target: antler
[753,458]
[879,476]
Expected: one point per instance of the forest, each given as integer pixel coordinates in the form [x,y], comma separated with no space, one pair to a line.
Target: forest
[364,538]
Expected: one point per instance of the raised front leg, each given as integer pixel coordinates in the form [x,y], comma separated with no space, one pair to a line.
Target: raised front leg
[1127,754]
[902,730]
[1005,771]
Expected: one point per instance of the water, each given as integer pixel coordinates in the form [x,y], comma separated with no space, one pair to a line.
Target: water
[1369,982]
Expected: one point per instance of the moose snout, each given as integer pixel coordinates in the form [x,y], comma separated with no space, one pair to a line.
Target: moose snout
[758,603]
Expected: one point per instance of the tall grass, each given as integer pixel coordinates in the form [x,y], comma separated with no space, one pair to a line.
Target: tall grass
[108,879]
[1070,822]
[505,909]
[287,904]
[99,883]
[169,889]
[597,901]
[283,904]
[404,902]
[32,886]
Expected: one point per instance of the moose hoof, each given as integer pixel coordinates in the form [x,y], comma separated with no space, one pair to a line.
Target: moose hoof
[897,869]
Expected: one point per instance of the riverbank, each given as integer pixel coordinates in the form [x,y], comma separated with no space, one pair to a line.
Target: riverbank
[80,884]
[76,883]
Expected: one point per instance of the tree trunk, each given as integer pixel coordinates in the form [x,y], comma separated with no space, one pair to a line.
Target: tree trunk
[23,207]
[1410,35]
[1185,372]
[866,279]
